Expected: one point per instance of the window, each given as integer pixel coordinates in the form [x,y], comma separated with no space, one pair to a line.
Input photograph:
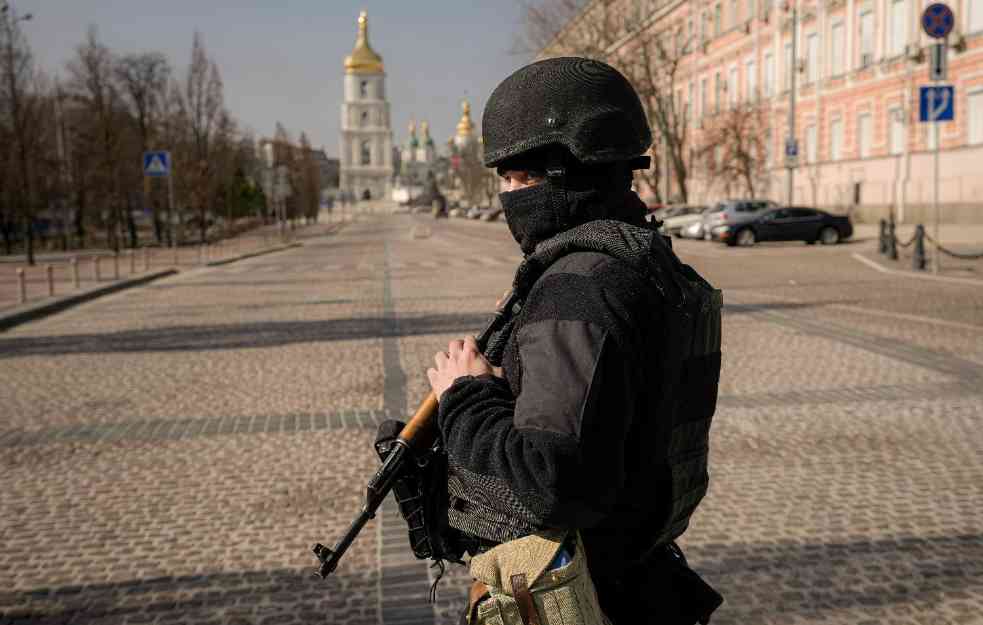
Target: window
[897,28]
[789,66]
[733,13]
[703,27]
[365,118]
[896,120]
[974,108]
[812,147]
[704,97]
[768,79]
[751,9]
[865,134]
[717,20]
[732,90]
[837,45]
[836,140]
[691,103]
[366,153]
[975,16]
[363,89]
[866,39]
[689,34]
[718,93]
[752,80]
[812,57]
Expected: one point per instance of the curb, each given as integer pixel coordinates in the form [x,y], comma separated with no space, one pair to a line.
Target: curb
[912,274]
[46,308]
[226,261]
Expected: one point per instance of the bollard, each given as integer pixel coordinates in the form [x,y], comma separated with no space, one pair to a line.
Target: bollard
[95,262]
[146,258]
[75,273]
[22,283]
[892,241]
[133,261]
[918,260]
[51,280]
[116,265]
[882,238]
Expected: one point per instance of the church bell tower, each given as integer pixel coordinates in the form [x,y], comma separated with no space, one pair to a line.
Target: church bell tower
[366,136]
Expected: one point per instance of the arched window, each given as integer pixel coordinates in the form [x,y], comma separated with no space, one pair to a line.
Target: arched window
[365,118]
[363,89]
[366,153]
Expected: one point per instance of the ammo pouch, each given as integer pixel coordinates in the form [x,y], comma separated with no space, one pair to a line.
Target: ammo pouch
[421,493]
[520,590]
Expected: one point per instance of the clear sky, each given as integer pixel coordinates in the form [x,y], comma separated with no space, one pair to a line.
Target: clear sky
[283,60]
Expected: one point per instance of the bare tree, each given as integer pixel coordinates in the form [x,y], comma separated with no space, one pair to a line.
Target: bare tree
[734,149]
[203,102]
[22,118]
[93,88]
[567,27]
[143,79]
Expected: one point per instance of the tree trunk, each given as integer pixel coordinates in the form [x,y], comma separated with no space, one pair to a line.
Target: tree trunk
[131,225]
[29,239]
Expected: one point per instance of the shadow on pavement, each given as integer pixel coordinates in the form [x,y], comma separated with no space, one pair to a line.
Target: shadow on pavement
[759,582]
[240,335]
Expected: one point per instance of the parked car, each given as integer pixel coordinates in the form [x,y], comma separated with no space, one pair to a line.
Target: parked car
[694,229]
[681,218]
[796,223]
[730,212]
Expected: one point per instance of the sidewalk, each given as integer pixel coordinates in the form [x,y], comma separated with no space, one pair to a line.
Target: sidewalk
[95,269]
[950,234]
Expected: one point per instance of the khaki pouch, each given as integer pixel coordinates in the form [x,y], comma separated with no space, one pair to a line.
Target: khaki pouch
[523,592]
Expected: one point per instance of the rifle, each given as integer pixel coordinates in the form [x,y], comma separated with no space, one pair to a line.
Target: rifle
[418,434]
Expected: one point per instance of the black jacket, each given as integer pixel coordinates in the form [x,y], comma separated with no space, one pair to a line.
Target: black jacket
[594,426]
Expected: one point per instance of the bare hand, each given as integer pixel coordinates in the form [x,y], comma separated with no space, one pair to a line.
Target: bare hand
[462,358]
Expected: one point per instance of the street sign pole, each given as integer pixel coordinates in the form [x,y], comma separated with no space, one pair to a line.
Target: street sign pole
[938,21]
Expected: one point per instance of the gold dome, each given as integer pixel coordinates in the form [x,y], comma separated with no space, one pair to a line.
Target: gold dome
[363,59]
[465,126]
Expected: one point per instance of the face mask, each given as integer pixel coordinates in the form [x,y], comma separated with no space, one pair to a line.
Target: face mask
[529,215]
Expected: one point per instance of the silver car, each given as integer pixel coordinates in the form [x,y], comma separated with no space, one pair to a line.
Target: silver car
[732,211]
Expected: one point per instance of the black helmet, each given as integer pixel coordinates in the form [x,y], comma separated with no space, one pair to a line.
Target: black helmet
[586,106]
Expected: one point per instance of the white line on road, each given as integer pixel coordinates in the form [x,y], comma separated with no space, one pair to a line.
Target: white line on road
[911,274]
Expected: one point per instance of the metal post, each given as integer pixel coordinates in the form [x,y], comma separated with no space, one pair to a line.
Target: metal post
[22,284]
[937,257]
[791,103]
[892,240]
[918,258]
[75,273]
[51,280]
[882,238]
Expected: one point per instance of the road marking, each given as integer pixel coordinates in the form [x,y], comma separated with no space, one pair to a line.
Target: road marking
[911,274]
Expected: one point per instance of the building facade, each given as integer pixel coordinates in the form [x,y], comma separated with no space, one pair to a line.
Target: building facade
[858,67]
[366,150]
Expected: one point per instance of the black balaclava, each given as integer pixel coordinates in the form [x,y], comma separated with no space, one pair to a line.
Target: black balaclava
[569,196]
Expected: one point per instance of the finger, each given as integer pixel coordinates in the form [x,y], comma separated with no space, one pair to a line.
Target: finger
[455,347]
[471,344]
[440,358]
[431,375]
[497,372]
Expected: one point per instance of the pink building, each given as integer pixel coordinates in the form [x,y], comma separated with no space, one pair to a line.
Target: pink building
[859,64]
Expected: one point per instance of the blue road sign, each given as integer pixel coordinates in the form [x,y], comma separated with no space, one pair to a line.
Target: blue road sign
[157,164]
[938,20]
[791,147]
[937,103]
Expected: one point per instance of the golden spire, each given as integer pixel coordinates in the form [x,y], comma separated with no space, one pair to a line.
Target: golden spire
[465,126]
[412,128]
[363,59]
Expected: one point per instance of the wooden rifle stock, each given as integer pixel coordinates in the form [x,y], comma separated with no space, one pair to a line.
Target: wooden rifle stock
[418,434]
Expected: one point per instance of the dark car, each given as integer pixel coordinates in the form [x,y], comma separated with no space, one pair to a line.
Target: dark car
[789,224]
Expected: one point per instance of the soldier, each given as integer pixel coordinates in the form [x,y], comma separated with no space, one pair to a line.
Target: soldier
[579,440]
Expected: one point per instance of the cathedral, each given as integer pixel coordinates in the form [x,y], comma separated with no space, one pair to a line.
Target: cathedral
[366,136]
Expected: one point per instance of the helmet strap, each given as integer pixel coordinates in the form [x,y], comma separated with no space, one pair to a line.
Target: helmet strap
[556,175]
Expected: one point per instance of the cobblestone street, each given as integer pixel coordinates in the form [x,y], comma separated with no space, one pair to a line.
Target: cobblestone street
[169,454]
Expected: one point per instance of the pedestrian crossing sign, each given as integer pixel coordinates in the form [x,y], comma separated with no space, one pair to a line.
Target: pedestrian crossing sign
[157,164]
